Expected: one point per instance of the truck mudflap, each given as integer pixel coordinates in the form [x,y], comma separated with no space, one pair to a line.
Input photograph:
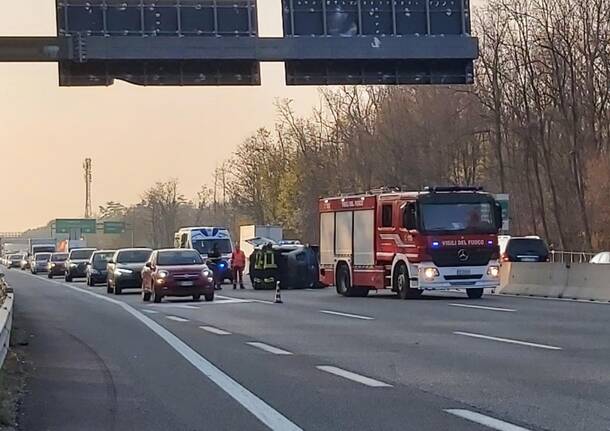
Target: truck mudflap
[427,276]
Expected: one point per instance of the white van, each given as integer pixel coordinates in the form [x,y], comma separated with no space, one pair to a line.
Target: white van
[203,240]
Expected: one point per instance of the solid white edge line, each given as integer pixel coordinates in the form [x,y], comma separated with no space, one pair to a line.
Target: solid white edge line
[268,348]
[176,319]
[353,376]
[354,316]
[272,418]
[214,330]
[485,420]
[507,340]
[483,307]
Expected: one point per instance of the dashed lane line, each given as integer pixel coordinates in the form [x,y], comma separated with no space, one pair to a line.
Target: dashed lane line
[483,307]
[213,330]
[507,340]
[353,376]
[353,316]
[487,421]
[268,348]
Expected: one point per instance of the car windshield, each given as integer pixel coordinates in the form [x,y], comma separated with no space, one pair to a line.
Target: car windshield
[527,246]
[101,259]
[179,257]
[59,257]
[133,256]
[205,246]
[81,254]
[42,256]
[458,217]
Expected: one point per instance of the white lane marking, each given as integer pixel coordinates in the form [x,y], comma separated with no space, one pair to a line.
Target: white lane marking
[353,376]
[214,330]
[482,307]
[507,340]
[188,307]
[272,418]
[268,348]
[485,420]
[354,316]
[176,319]
[260,301]
[150,311]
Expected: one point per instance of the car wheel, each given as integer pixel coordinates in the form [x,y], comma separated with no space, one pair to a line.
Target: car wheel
[196,298]
[209,297]
[402,283]
[49,276]
[156,298]
[108,287]
[474,293]
[68,278]
[145,295]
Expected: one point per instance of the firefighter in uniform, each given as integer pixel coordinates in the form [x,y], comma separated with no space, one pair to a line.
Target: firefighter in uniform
[259,265]
[269,267]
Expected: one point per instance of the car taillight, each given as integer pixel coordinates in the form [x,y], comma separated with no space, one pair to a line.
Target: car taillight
[505,257]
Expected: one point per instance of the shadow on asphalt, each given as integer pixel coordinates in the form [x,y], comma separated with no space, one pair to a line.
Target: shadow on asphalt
[424,297]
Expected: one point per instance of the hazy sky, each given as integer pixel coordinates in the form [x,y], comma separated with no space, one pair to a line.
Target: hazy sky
[135,135]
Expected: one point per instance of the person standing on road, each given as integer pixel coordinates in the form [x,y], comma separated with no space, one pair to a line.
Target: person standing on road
[238,264]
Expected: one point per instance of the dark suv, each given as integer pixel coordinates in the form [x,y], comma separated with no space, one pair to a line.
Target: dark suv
[57,264]
[526,249]
[76,265]
[125,269]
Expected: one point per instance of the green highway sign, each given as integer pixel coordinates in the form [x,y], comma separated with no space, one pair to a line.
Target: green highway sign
[114,227]
[70,225]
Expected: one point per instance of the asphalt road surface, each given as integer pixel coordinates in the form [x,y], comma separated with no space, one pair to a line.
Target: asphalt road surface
[316,362]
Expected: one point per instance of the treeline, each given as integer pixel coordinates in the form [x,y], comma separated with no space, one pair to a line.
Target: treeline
[536,125]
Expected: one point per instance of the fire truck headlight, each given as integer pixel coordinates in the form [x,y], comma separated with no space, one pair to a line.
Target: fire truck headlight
[430,273]
[493,271]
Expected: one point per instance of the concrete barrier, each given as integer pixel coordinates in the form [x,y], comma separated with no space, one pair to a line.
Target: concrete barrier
[557,280]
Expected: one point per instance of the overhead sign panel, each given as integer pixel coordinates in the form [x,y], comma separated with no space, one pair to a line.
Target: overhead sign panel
[114,227]
[116,19]
[70,225]
[445,23]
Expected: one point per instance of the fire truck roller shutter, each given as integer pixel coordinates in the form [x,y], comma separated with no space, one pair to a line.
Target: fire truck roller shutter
[344,244]
[327,238]
[364,242]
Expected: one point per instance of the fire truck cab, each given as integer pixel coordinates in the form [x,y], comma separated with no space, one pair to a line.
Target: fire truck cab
[440,238]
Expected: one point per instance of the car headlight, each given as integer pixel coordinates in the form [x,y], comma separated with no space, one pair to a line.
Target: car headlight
[73,265]
[430,273]
[493,271]
[122,271]
[51,265]
[93,271]
[206,273]
[163,274]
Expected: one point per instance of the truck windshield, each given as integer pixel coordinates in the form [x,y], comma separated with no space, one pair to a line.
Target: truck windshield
[59,257]
[475,217]
[205,246]
[42,256]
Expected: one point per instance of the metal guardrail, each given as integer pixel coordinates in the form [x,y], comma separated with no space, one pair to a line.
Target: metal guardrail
[6,320]
[571,256]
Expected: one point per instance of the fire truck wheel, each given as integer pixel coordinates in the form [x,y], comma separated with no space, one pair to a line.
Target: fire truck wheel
[344,284]
[474,293]
[402,283]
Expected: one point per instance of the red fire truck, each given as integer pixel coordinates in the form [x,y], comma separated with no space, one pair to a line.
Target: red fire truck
[437,239]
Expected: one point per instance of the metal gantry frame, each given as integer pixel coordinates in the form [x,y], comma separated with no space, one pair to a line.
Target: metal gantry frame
[160,35]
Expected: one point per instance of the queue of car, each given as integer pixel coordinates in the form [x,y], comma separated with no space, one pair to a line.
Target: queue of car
[157,273]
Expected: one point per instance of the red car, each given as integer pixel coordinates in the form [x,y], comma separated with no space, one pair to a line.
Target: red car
[176,272]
